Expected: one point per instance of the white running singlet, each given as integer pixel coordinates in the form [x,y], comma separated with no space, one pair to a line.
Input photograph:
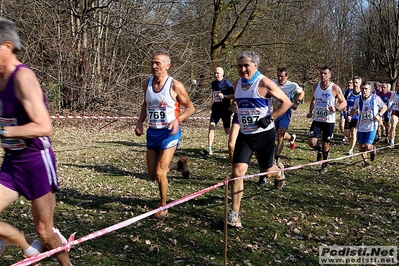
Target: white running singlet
[161,107]
[324,98]
[252,107]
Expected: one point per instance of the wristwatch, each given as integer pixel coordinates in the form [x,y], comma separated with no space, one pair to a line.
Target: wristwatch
[271,119]
[2,132]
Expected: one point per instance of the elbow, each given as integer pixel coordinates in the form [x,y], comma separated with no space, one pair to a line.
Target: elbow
[47,131]
[192,109]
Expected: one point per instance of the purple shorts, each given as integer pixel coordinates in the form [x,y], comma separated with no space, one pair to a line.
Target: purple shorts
[32,174]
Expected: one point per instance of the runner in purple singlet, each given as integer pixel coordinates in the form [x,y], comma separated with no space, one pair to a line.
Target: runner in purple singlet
[28,167]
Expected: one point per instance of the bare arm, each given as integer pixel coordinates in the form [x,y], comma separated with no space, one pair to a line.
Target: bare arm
[299,97]
[312,102]
[182,96]
[30,93]
[340,99]
[143,114]
[268,88]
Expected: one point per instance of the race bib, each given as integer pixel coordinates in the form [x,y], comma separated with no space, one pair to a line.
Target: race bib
[248,119]
[216,98]
[157,117]
[321,114]
[11,144]
[367,116]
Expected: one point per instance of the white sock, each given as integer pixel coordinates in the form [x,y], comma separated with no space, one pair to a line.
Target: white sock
[31,251]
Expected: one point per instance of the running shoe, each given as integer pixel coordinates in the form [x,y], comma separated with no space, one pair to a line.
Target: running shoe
[279,181]
[161,215]
[183,167]
[345,139]
[3,247]
[262,181]
[233,219]
[365,164]
[350,152]
[36,244]
[323,168]
[292,142]
[208,152]
[391,143]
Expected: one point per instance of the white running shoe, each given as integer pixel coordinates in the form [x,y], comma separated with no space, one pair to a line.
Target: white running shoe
[279,182]
[234,220]
[37,245]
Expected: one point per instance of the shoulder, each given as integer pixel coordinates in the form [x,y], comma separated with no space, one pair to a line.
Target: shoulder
[228,82]
[24,72]
[336,89]
[144,84]
[235,83]
[176,85]
[266,82]
[25,78]
[335,86]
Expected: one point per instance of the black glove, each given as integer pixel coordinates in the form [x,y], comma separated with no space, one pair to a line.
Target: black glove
[265,121]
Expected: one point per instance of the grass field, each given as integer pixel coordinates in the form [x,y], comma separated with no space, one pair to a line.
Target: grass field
[102,172]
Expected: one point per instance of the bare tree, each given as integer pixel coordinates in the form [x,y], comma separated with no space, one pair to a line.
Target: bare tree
[92,55]
[380,27]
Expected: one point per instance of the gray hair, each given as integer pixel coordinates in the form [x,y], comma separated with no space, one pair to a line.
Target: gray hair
[166,55]
[9,32]
[251,55]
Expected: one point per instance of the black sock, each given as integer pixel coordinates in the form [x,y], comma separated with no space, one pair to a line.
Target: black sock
[325,154]
[317,147]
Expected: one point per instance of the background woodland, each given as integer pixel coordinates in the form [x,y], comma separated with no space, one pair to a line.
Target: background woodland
[91,56]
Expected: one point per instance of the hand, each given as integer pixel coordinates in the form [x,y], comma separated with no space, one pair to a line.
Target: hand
[309,115]
[349,118]
[294,106]
[264,122]
[332,108]
[174,126]
[139,130]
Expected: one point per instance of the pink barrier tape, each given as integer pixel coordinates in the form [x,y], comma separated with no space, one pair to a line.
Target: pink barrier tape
[111,117]
[124,117]
[72,242]
[107,230]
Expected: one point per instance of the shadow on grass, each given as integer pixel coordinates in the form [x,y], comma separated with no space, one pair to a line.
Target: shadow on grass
[110,170]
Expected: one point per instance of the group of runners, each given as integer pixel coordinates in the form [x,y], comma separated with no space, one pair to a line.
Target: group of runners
[364,112]
[262,113]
